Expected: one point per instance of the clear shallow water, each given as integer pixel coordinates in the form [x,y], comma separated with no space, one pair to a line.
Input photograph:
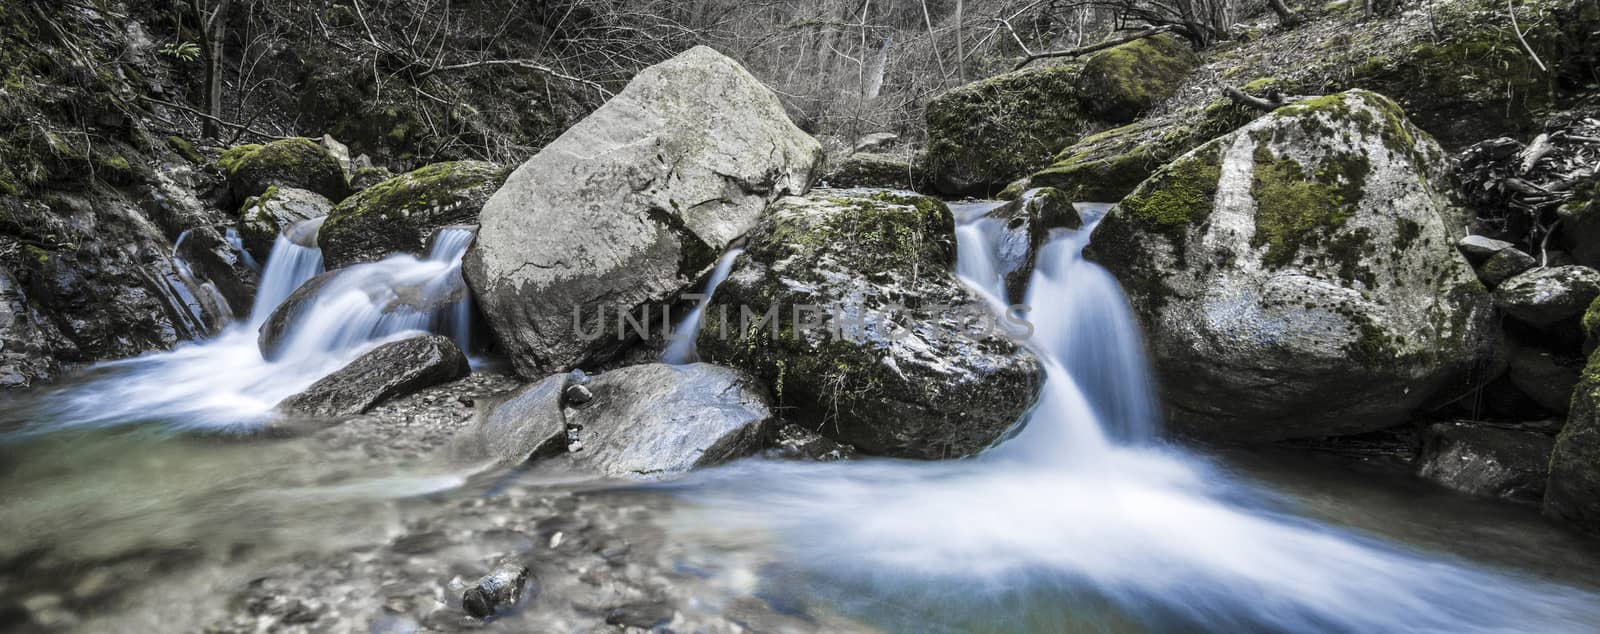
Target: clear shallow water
[1083,521]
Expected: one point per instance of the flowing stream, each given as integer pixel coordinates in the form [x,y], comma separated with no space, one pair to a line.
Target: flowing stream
[1082,520]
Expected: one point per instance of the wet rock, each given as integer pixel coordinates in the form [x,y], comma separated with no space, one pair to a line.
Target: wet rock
[798,443]
[390,370]
[1547,296]
[629,206]
[1504,265]
[887,351]
[1546,377]
[1120,83]
[271,337]
[988,133]
[578,394]
[212,259]
[1487,461]
[655,419]
[296,162]
[399,214]
[1298,277]
[528,424]
[497,592]
[24,355]
[864,169]
[263,217]
[1022,226]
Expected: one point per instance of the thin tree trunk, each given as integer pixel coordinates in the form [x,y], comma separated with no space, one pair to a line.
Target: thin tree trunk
[961,47]
[212,27]
[1285,15]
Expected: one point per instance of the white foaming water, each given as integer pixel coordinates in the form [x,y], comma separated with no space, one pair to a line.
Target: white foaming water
[681,349]
[295,258]
[225,383]
[1077,507]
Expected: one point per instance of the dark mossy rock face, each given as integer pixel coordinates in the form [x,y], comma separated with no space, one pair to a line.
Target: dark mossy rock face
[1573,491]
[398,215]
[986,134]
[1477,80]
[296,162]
[1106,166]
[898,359]
[1120,83]
[1299,277]
[866,169]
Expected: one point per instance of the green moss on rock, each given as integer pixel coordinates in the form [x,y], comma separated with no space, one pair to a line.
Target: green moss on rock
[398,214]
[295,162]
[1177,197]
[1122,82]
[986,134]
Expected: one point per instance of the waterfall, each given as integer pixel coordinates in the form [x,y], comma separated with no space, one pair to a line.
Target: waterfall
[295,258]
[681,350]
[225,383]
[1080,510]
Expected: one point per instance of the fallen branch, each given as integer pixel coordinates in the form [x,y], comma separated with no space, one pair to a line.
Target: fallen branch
[1518,30]
[1273,101]
[229,124]
[1085,50]
[1535,151]
[521,63]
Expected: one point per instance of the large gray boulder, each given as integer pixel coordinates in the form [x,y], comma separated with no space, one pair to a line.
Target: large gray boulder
[1548,296]
[904,361]
[651,420]
[388,371]
[1298,277]
[630,205]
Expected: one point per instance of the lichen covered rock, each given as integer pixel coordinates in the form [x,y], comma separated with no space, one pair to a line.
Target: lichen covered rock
[1573,490]
[886,351]
[263,217]
[988,133]
[398,214]
[294,162]
[1120,83]
[1549,296]
[865,169]
[1298,277]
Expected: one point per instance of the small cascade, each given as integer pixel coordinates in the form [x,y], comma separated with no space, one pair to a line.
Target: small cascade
[225,383]
[681,349]
[1078,510]
[295,258]
[237,242]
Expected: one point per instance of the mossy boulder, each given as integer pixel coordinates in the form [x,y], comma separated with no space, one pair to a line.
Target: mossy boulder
[1475,78]
[1298,277]
[1120,83]
[1550,296]
[866,169]
[1106,166]
[263,217]
[1572,492]
[988,133]
[398,215]
[295,162]
[889,352]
